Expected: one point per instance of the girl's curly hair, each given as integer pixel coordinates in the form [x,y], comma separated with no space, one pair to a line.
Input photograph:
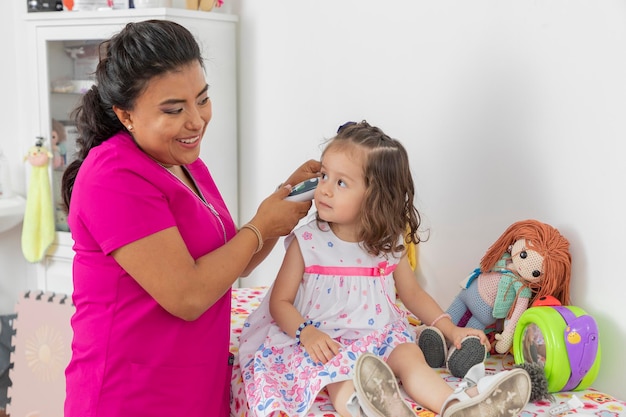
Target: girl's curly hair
[388,211]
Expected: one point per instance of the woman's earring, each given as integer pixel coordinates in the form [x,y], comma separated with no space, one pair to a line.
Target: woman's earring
[130,128]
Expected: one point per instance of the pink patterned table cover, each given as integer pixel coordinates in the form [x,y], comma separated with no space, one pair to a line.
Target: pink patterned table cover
[247,299]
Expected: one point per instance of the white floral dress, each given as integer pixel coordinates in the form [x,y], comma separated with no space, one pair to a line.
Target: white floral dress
[348,294]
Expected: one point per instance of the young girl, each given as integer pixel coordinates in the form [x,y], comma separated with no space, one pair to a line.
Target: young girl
[331,315]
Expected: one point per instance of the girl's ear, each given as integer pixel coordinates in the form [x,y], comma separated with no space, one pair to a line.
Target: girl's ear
[123,116]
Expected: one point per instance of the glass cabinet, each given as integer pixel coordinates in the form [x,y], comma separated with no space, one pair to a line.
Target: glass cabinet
[62,54]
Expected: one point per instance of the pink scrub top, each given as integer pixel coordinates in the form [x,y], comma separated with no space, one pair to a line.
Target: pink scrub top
[130,357]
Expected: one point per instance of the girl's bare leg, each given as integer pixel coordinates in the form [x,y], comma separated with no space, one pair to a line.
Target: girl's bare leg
[340,393]
[419,380]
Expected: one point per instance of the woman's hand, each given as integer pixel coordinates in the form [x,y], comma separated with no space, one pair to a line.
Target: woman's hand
[276,216]
[320,347]
[309,169]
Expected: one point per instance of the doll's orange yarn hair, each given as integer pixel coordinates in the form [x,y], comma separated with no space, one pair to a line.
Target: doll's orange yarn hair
[550,244]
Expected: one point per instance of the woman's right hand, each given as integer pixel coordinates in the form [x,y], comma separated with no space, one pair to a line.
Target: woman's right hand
[276,216]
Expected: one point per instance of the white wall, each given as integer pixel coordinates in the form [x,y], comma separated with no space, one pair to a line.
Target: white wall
[16,275]
[509,110]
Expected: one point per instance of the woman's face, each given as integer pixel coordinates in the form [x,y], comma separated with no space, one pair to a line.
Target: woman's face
[170,116]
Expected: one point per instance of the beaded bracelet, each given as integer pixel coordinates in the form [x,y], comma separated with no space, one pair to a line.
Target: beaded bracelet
[257,233]
[300,328]
[444,315]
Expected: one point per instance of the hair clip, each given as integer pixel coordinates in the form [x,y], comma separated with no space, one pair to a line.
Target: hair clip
[343,126]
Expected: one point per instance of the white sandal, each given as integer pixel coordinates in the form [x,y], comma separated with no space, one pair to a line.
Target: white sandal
[353,406]
[503,394]
[377,390]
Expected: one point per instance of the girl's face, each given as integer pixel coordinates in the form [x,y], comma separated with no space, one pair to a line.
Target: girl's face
[341,190]
[170,116]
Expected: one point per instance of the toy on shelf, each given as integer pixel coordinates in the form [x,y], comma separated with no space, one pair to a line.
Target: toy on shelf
[59,145]
[530,260]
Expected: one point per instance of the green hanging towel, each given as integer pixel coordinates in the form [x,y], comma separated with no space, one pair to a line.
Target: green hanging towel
[38,226]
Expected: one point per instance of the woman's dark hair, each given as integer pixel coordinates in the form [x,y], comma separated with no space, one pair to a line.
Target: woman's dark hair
[387,211]
[128,60]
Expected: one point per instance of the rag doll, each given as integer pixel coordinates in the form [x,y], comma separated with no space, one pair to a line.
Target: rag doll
[38,225]
[530,260]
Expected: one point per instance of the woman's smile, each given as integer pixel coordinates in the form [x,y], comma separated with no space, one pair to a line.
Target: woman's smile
[189,141]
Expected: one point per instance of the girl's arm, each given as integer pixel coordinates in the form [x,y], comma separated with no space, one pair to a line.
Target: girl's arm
[318,344]
[423,306]
[418,301]
[285,288]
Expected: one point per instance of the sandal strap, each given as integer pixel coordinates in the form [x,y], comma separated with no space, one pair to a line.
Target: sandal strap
[458,395]
[471,379]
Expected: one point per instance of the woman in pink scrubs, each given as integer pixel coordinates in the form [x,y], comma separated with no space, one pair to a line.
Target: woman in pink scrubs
[156,249]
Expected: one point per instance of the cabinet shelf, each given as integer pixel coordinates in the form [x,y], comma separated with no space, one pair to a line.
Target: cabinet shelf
[11,212]
[71,87]
[68,93]
[66,17]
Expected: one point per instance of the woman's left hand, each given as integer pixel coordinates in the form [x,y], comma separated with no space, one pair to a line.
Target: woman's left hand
[309,169]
